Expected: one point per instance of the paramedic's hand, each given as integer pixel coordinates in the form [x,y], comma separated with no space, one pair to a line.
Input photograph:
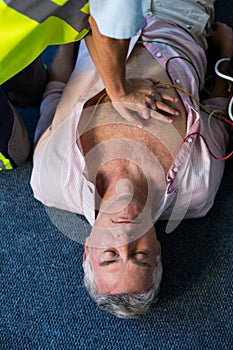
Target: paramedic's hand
[134,99]
[144,99]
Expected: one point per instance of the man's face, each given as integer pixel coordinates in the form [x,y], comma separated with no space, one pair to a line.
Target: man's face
[123,256]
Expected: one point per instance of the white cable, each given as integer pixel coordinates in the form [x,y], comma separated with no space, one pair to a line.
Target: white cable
[227,77]
[230,107]
[224,76]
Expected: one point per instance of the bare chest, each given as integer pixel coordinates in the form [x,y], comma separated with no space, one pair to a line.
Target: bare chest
[102,129]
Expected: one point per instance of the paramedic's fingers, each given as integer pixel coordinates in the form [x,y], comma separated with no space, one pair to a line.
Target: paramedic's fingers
[142,93]
[164,104]
[129,114]
[160,116]
[157,99]
[161,105]
[135,113]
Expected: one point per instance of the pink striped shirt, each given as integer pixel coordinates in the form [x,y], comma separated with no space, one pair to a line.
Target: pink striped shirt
[59,177]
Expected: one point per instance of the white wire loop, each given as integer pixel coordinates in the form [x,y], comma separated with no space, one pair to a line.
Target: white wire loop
[227,77]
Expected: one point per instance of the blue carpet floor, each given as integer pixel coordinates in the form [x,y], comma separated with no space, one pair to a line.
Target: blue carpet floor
[43,301]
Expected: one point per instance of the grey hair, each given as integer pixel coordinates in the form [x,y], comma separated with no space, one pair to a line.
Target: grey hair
[125,305]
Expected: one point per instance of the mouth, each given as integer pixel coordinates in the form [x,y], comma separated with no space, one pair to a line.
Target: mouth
[126,220]
[122,221]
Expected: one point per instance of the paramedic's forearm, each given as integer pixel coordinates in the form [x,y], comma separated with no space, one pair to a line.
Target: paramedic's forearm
[109,56]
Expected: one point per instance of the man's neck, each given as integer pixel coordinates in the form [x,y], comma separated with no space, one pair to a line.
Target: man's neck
[120,177]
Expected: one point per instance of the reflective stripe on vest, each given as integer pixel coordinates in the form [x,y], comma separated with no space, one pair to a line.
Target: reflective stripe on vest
[5,163]
[27,27]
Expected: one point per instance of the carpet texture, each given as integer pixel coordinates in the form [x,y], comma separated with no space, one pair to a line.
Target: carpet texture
[43,301]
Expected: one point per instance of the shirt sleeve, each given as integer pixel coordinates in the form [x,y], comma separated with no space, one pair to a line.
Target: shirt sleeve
[119,19]
[215,131]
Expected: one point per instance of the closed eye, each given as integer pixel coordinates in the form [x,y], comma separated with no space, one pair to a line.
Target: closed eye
[107,262]
[137,262]
[141,263]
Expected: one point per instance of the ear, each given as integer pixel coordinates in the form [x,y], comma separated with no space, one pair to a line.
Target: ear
[86,251]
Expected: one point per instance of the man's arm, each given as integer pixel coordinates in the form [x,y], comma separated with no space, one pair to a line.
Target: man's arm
[63,63]
[222,38]
[60,71]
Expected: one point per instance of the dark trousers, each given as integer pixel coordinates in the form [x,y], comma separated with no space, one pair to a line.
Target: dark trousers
[24,89]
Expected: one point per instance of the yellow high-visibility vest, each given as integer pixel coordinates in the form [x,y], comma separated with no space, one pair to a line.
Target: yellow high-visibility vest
[27,27]
[5,163]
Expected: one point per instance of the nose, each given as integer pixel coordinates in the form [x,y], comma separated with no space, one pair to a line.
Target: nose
[124,234]
[120,235]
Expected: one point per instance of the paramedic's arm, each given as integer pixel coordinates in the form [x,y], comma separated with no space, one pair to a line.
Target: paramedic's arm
[127,96]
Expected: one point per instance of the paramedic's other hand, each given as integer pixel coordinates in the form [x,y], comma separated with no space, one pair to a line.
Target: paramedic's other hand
[143,99]
[222,38]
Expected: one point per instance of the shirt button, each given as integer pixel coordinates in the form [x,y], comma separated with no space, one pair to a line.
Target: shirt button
[189,140]
[189,26]
[175,170]
[177,81]
[158,54]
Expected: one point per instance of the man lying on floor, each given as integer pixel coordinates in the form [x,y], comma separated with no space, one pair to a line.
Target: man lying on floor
[123,178]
